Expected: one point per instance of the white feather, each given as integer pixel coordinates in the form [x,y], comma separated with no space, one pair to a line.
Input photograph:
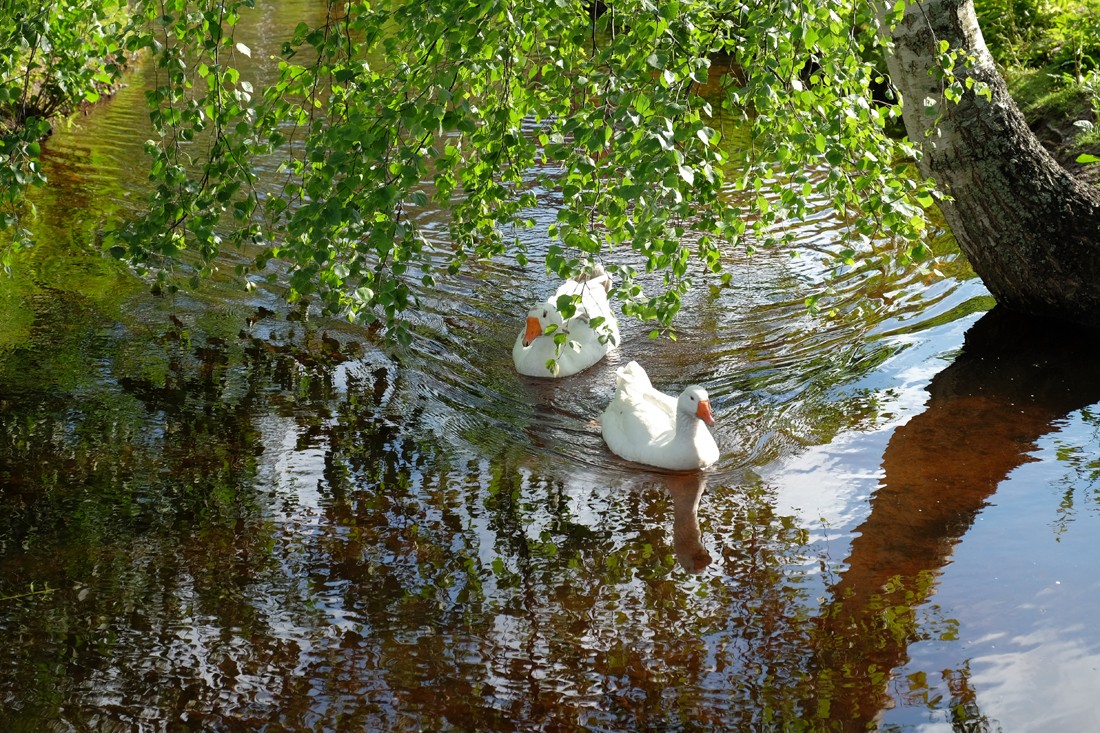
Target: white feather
[585,345]
[644,425]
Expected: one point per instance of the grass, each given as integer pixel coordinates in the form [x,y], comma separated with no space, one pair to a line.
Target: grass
[1052,102]
[1042,93]
[1037,42]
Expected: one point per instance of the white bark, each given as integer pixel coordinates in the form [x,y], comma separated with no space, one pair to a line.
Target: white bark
[1030,229]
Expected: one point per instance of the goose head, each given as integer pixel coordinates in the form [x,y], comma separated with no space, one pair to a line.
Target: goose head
[540,318]
[694,401]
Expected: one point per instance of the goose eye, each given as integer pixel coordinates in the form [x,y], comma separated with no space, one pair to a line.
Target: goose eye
[544,314]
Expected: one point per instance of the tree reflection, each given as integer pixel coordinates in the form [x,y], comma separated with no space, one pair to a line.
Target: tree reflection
[396,581]
[1012,381]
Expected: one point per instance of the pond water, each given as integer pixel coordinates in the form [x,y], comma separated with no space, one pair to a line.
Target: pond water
[220,514]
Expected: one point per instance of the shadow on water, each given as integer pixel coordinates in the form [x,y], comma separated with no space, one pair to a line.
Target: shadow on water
[1013,381]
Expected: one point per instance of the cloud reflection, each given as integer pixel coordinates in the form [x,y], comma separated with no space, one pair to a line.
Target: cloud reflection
[1014,381]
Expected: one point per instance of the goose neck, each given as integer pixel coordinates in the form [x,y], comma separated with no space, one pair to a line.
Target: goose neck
[687,426]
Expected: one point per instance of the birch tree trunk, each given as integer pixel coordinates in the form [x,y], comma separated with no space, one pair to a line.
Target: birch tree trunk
[1030,229]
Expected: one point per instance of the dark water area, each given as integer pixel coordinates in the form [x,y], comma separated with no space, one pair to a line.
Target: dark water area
[218,513]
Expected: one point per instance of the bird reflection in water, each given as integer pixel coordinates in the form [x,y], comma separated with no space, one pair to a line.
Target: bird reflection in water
[686,490]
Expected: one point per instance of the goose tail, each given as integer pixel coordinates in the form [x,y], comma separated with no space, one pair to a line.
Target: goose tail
[594,274]
[632,378]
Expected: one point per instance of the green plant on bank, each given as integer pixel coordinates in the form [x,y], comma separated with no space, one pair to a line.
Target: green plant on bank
[1052,50]
[1013,29]
[1090,84]
[483,108]
[1060,34]
[1090,133]
[1076,38]
[54,55]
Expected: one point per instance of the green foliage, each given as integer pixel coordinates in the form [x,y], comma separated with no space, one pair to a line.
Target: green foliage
[1076,39]
[952,71]
[1012,28]
[1090,84]
[54,55]
[1052,51]
[482,108]
[204,113]
[1063,34]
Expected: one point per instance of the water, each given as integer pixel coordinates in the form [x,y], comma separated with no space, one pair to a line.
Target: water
[219,516]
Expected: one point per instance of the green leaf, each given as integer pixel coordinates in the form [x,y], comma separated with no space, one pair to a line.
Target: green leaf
[474,113]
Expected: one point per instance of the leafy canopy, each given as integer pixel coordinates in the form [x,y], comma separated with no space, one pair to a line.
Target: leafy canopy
[482,108]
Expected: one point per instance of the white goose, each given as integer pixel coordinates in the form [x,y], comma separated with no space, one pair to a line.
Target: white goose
[585,346]
[650,427]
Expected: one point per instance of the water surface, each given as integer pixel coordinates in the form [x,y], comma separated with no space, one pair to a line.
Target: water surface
[219,513]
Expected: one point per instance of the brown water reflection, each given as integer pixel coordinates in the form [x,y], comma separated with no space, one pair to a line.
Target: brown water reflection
[251,522]
[204,580]
[1013,380]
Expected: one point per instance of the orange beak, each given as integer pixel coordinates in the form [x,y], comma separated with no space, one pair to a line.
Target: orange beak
[534,330]
[703,412]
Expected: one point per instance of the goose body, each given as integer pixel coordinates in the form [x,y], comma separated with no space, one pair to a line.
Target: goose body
[646,426]
[585,346]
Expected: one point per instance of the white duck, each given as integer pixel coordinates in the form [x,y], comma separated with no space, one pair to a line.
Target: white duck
[585,345]
[650,427]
